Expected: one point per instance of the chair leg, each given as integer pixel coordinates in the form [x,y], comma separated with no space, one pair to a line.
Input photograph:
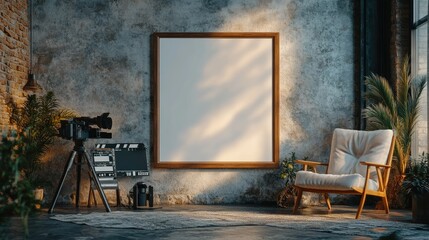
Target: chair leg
[386,204]
[361,204]
[298,200]
[327,200]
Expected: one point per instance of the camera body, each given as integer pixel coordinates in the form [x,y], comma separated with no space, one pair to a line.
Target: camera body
[81,128]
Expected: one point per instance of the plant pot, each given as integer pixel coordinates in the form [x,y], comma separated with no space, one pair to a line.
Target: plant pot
[420,208]
[394,191]
[38,196]
[286,199]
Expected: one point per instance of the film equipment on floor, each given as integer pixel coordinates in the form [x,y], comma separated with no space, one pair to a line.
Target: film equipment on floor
[142,195]
[105,170]
[130,158]
[104,165]
[79,130]
[130,161]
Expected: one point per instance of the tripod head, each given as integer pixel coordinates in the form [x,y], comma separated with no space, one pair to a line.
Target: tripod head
[79,145]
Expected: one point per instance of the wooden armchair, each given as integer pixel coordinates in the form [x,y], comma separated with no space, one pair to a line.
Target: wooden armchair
[359,164]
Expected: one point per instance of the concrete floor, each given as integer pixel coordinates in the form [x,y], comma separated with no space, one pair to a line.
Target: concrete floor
[42,227]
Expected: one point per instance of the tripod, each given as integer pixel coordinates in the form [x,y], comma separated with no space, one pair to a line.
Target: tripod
[79,150]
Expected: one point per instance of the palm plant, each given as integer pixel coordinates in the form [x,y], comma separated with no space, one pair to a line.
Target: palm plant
[37,122]
[398,111]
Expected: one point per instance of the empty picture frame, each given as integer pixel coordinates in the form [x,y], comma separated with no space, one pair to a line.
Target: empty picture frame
[216,100]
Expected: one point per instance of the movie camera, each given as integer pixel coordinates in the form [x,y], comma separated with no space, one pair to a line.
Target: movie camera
[81,128]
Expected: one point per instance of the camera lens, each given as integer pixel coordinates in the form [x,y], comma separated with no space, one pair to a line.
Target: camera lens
[106,123]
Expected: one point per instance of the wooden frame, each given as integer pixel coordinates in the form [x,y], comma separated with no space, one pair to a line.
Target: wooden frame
[215,100]
[383,179]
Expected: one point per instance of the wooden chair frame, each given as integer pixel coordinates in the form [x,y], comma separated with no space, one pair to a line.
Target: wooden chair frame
[383,172]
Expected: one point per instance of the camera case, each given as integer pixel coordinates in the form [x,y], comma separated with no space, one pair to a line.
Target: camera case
[142,196]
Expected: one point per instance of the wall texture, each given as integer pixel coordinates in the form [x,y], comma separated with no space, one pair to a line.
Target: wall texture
[95,55]
[14,54]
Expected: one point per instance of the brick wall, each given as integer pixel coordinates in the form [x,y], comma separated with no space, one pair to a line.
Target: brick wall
[14,54]
[401,39]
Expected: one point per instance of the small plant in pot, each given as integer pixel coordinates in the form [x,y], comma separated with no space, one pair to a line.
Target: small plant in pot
[288,169]
[416,186]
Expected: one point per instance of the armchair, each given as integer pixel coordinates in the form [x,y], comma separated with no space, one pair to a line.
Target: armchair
[359,164]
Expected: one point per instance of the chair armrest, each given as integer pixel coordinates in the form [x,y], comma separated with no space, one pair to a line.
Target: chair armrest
[310,163]
[381,180]
[375,164]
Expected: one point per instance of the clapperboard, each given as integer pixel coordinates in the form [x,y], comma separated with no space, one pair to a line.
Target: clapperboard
[130,158]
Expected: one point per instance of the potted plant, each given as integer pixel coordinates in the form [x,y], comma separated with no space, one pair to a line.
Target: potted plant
[416,186]
[36,123]
[16,197]
[288,169]
[397,110]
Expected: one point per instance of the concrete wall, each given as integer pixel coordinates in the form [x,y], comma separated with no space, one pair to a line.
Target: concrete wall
[95,55]
[14,54]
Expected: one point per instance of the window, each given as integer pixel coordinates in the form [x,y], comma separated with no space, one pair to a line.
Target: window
[419,58]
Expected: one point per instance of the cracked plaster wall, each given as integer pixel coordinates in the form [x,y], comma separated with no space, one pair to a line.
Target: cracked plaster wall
[95,56]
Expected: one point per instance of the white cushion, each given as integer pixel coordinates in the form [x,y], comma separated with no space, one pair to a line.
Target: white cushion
[350,147]
[342,182]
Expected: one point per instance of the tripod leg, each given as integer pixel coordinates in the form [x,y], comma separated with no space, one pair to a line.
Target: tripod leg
[118,197]
[78,176]
[91,195]
[63,177]
[97,182]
